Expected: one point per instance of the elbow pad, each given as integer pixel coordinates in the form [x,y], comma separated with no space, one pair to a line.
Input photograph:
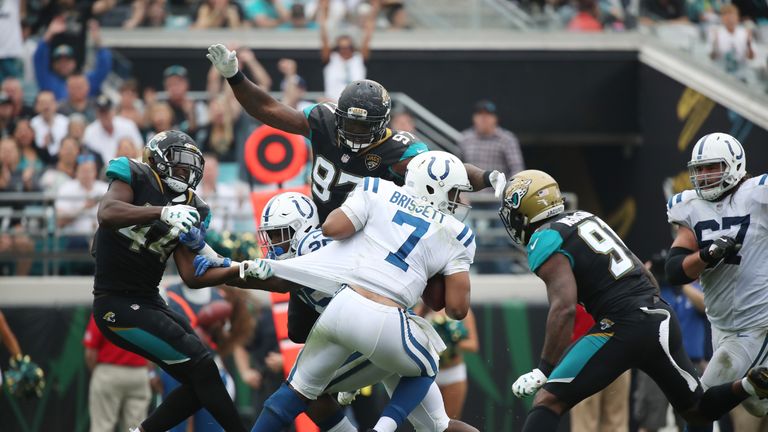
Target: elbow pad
[674,266]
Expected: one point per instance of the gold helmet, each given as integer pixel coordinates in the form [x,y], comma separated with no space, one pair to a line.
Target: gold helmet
[530,196]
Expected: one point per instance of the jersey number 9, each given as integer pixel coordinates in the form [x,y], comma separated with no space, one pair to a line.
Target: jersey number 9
[603,240]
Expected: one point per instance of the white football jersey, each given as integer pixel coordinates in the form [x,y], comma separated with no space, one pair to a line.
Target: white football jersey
[311,242]
[399,245]
[735,290]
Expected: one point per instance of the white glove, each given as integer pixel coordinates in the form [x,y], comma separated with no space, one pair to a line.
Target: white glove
[180,216]
[346,398]
[258,269]
[224,60]
[498,182]
[529,383]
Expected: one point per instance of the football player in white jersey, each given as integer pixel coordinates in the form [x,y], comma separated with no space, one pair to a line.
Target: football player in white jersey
[722,240]
[389,241]
[289,227]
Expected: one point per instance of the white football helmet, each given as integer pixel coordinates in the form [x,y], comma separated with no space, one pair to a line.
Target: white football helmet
[438,177]
[718,163]
[285,220]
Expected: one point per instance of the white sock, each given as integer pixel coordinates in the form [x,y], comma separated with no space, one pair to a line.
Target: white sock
[385,424]
[748,387]
[343,426]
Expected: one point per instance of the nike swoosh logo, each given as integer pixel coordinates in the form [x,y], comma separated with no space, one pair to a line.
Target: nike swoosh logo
[533,245]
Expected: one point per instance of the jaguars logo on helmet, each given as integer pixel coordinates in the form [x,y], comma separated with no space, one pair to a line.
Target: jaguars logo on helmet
[530,196]
[176,159]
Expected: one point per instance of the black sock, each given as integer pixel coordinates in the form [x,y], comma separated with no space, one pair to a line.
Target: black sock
[180,404]
[541,419]
[718,400]
[213,396]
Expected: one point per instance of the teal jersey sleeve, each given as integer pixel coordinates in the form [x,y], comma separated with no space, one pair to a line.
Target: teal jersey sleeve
[119,169]
[207,221]
[414,149]
[542,245]
[309,109]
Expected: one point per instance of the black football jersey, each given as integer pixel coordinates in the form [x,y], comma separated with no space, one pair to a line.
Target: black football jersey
[131,260]
[609,276]
[336,169]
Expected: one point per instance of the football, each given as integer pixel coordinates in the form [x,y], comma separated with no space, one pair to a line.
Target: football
[434,293]
[214,312]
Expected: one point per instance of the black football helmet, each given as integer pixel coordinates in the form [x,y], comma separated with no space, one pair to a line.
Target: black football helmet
[176,159]
[362,114]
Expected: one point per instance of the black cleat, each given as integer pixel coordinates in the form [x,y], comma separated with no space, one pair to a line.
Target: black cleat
[758,377]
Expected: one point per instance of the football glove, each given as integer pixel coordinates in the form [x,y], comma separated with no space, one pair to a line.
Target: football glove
[346,398]
[529,383]
[224,60]
[194,239]
[180,216]
[203,263]
[24,378]
[258,269]
[722,247]
[498,182]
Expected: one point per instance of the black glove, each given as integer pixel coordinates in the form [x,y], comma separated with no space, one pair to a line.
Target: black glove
[722,247]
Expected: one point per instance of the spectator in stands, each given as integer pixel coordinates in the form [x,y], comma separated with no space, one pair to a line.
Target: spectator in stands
[397,16]
[14,179]
[185,113]
[218,136]
[7,121]
[586,20]
[12,87]
[160,119]
[730,44]
[64,170]
[130,106]
[222,198]
[608,409]
[76,204]
[263,13]
[49,126]
[293,86]
[103,135]
[217,14]
[119,393]
[344,63]
[78,99]
[30,154]
[127,148]
[297,18]
[147,13]
[52,76]
[77,125]
[489,146]
[403,120]
[11,48]
[652,11]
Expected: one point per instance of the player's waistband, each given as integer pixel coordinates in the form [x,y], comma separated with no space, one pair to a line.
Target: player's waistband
[369,298]
[147,295]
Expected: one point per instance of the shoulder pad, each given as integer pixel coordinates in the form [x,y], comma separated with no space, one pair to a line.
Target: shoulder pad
[119,169]
[677,206]
[372,184]
[466,236]
[544,243]
[682,197]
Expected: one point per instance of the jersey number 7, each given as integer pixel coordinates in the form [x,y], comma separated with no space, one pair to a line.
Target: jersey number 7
[421,226]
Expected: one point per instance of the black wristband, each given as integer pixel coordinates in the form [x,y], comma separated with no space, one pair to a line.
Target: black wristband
[236,78]
[487,178]
[705,256]
[545,367]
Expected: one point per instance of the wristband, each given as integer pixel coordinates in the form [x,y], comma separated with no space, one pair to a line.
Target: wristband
[705,256]
[487,178]
[545,367]
[236,78]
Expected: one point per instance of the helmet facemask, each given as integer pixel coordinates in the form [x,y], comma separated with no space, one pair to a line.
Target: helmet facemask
[453,204]
[357,130]
[181,168]
[709,183]
[514,222]
[279,241]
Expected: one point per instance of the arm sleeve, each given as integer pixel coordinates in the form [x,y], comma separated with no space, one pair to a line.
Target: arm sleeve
[356,204]
[544,244]
[676,212]
[42,61]
[100,72]
[463,256]
[119,169]
[761,189]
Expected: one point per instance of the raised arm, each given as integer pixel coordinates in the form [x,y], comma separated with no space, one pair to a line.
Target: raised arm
[368,28]
[322,20]
[256,101]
